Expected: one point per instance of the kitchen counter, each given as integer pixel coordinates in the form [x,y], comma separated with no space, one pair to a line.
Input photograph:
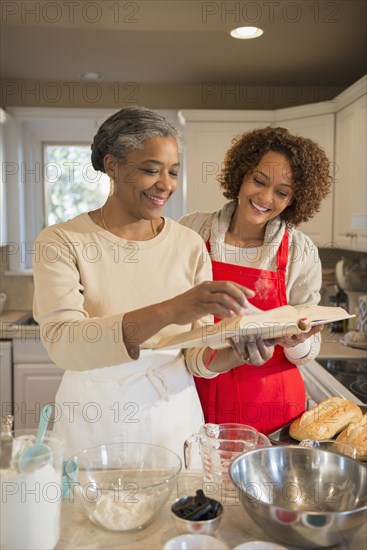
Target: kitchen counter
[331,347]
[236,526]
[9,331]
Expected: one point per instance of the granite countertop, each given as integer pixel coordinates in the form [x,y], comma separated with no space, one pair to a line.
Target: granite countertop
[236,527]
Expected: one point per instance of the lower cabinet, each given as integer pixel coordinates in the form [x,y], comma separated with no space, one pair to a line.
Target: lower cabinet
[36,380]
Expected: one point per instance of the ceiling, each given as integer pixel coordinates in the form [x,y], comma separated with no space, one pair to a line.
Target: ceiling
[315,43]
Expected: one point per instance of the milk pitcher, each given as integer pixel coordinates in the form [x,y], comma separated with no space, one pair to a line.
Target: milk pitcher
[218,445]
[30,500]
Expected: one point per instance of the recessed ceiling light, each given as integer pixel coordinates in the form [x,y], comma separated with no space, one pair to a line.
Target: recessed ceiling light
[91,76]
[246,32]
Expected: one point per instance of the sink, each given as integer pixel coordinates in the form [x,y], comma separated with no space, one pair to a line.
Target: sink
[349,372]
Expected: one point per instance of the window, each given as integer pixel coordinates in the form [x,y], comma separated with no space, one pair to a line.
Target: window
[49,177]
[72,186]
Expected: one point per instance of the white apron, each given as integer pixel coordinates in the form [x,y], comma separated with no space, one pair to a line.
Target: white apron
[152,400]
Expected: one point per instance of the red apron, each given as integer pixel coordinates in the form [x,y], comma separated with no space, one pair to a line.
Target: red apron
[267,396]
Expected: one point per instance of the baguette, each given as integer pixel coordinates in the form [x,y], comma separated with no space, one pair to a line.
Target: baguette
[325,420]
[356,435]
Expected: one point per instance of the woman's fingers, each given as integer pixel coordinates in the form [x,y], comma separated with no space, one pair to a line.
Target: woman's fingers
[252,350]
[266,350]
[291,341]
[219,298]
[225,298]
[259,352]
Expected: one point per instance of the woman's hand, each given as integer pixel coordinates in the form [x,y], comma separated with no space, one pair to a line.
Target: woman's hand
[219,298]
[291,341]
[251,350]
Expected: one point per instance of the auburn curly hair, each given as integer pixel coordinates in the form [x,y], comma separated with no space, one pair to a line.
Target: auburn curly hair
[311,169]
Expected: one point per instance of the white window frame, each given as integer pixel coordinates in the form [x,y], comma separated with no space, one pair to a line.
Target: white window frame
[26,131]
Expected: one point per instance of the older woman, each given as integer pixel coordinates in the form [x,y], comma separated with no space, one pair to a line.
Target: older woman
[275,181]
[110,282]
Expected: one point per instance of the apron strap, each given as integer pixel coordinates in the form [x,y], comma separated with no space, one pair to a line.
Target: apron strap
[282,260]
[282,254]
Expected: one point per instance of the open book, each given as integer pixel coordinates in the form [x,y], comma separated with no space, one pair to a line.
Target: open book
[274,323]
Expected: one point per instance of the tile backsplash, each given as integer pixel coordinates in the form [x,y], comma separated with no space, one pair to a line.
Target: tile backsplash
[19,289]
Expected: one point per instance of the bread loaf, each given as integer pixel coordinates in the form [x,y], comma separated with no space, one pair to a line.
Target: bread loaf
[325,420]
[356,435]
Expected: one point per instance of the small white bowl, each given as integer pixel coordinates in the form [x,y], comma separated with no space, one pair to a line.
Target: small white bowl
[259,545]
[193,542]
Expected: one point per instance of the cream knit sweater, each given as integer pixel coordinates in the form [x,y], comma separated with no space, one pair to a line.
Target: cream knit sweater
[86,279]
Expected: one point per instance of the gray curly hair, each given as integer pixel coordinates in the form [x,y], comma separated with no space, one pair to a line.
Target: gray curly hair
[128,129]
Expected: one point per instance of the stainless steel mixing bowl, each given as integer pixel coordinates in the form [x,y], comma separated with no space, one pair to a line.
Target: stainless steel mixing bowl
[300,496]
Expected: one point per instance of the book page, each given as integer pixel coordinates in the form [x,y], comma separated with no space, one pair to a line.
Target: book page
[323,314]
[274,323]
[267,324]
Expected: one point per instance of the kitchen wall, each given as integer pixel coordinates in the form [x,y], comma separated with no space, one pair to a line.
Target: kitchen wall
[19,288]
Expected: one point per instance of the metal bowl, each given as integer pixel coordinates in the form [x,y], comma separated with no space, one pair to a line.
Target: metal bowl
[203,527]
[300,496]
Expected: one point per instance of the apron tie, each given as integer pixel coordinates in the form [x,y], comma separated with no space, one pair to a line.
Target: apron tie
[158,382]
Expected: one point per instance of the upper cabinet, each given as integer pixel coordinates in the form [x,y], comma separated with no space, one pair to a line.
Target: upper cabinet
[351,176]
[319,128]
[208,135]
[338,126]
[3,217]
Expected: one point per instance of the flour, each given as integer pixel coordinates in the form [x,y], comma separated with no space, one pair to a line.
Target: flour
[30,506]
[117,511]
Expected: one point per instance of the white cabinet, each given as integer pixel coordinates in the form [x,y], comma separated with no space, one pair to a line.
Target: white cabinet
[319,128]
[36,381]
[5,378]
[35,384]
[351,175]
[208,140]
[207,136]
[3,217]
[338,126]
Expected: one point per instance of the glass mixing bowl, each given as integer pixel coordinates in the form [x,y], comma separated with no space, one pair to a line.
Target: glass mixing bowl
[123,486]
